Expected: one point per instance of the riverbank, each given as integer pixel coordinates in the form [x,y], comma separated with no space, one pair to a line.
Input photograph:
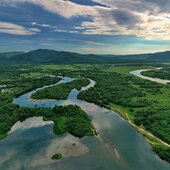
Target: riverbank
[160,73]
[147,135]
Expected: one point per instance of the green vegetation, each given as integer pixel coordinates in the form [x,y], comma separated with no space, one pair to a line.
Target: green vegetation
[164,73]
[142,103]
[163,152]
[57,156]
[60,91]
[17,84]
[70,119]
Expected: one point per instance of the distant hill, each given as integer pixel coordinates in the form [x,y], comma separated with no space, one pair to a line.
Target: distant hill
[9,54]
[42,56]
[160,57]
[4,57]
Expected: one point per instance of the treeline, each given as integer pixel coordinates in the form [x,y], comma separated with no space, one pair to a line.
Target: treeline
[71,119]
[60,91]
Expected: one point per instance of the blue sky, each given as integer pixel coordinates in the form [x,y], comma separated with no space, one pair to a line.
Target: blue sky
[85,26]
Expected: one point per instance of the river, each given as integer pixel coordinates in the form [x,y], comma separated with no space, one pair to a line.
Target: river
[30,144]
[157,80]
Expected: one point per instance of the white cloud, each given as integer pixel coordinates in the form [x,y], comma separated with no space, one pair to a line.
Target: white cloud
[141,18]
[10,28]
[66,31]
[41,25]
[64,8]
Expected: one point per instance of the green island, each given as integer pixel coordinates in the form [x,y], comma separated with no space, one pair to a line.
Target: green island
[144,104]
[60,91]
[71,119]
[57,156]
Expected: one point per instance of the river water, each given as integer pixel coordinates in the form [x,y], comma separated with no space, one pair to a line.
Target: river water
[30,144]
[157,80]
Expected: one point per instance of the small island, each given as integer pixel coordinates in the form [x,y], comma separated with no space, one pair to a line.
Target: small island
[57,156]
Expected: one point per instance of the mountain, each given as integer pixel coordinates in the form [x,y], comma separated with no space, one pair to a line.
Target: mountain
[4,57]
[160,57]
[9,54]
[42,56]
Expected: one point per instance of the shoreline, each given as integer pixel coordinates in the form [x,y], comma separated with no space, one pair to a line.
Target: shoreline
[141,130]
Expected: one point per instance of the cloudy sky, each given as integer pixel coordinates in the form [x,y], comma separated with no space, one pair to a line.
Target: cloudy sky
[85,26]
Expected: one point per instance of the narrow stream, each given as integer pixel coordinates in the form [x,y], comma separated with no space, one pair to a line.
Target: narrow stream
[30,144]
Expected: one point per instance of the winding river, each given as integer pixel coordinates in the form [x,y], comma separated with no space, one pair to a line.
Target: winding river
[30,144]
[157,80]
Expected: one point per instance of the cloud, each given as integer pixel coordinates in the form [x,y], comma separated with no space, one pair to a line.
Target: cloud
[125,17]
[66,31]
[41,25]
[64,8]
[141,18]
[10,28]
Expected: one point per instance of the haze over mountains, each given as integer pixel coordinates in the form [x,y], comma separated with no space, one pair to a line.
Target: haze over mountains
[42,56]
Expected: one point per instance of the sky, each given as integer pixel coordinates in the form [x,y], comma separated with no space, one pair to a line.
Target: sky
[85,26]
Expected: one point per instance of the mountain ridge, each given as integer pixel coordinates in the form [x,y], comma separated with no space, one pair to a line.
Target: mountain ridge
[42,56]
